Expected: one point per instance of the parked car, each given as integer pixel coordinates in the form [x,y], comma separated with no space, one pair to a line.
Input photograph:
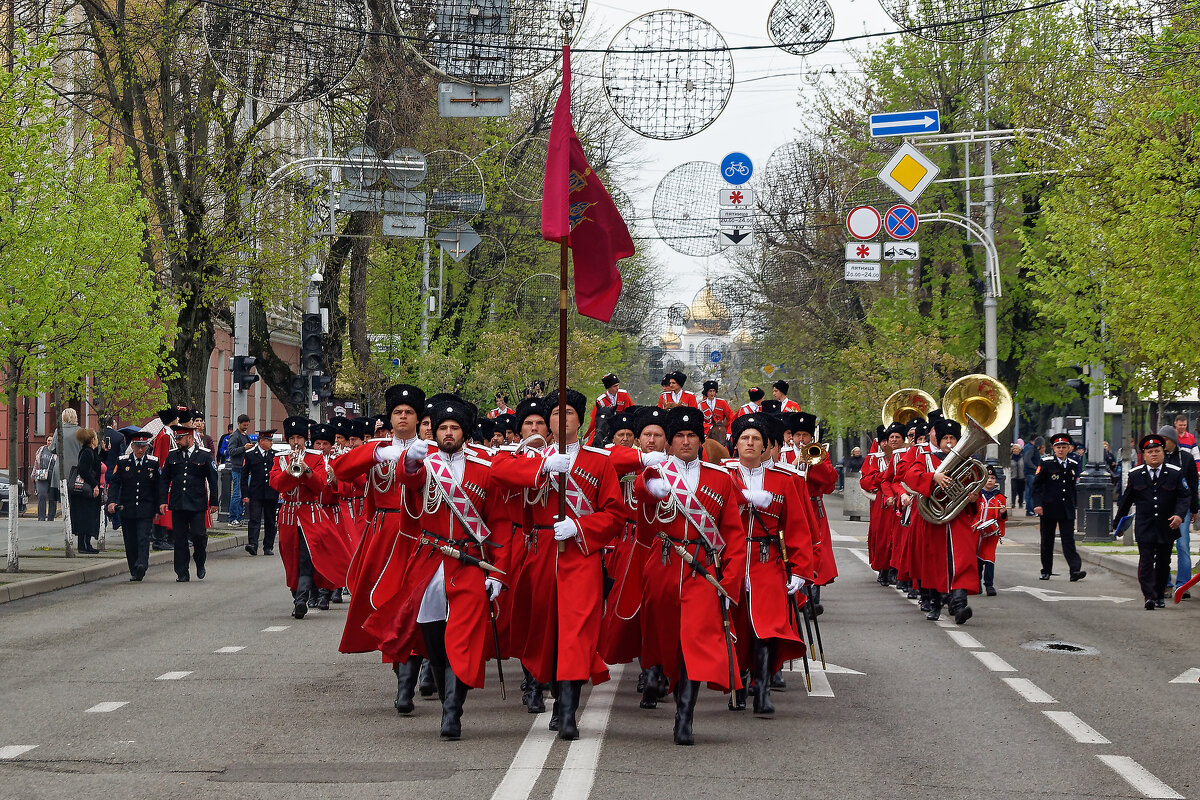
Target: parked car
[23,497]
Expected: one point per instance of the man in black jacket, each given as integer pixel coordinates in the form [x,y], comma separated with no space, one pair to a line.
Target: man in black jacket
[188,487]
[1159,496]
[1183,458]
[1054,502]
[133,493]
[261,500]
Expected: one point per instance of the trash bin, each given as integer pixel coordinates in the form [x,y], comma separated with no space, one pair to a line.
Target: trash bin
[856,504]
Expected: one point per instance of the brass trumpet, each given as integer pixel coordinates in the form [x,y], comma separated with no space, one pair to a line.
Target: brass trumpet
[814,453]
[905,405]
[295,463]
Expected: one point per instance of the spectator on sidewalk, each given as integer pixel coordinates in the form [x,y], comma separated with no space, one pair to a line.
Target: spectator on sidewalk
[1018,468]
[1157,493]
[85,500]
[223,444]
[45,482]
[202,438]
[1187,441]
[239,444]
[112,446]
[1183,459]
[1032,456]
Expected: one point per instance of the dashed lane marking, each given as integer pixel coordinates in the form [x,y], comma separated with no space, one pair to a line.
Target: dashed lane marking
[1029,690]
[230,649]
[963,639]
[993,662]
[1076,728]
[1191,676]
[173,676]
[579,769]
[275,628]
[1140,778]
[527,764]
[104,708]
[860,554]
[10,751]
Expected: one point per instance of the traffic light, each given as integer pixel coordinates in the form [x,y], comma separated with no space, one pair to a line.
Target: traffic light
[243,378]
[298,390]
[311,357]
[320,387]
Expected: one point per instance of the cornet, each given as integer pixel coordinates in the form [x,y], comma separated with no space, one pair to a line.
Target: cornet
[295,463]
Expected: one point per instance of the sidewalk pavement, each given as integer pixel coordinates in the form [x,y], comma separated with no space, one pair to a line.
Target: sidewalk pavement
[46,569]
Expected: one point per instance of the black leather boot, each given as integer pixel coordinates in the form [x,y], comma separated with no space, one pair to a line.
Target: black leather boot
[568,704]
[925,602]
[537,701]
[738,701]
[650,690]
[427,686]
[762,673]
[299,606]
[452,706]
[686,693]
[323,596]
[882,580]
[406,684]
[891,576]
[556,692]
[336,597]
[776,681]
[935,606]
[314,596]
[958,606]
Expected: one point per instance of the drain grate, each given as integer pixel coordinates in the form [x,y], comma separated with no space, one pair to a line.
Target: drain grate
[1054,646]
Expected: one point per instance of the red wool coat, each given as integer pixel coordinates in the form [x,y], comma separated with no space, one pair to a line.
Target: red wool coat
[948,559]
[303,513]
[621,629]
[820,481]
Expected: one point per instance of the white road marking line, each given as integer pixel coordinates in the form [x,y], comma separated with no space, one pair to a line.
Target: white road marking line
[834,536]
[275,628]
[14,750]
[1190,676]
[820,681]
[993,662]
[946,623]
[1029,690]
[230,649]
[1140,778]
[579,769]
[963,639]
[860,554]
[1077,728]
[104,708]
[173,676]
[527,764]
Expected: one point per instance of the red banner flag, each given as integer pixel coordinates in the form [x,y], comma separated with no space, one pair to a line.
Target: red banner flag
[577,207]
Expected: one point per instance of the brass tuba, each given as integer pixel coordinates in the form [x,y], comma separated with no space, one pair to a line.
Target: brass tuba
[983,407]
[905,405]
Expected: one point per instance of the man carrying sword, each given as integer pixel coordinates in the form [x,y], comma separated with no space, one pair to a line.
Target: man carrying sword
[688,520]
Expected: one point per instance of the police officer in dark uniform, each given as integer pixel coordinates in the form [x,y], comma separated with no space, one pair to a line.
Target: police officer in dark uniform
[261,500]
[1159,496]
[133,494]
[188,487]
[1054,502]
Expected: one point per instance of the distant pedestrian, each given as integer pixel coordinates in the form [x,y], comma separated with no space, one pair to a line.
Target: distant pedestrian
[187,488]
[238,445]
[1187,439]
[202,438]
[1184,459]
[1032,457]
[854,461]
[133,494]
[45,482]
[1054,501]
[260,500]
[223,444]
[1018,468]
[112,446]
[1159,497]
[67,447]
[84,488]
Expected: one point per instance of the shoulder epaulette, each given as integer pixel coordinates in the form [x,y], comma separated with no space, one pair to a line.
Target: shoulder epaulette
[151,458]
[788,468]
[704,463]
[1139,466]
[202,447]
[124,457]
[594,450]
[478,460]
[1172,466]
[1048,458]
[314,452]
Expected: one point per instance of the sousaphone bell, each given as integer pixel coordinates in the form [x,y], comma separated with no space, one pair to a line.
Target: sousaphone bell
[905,405]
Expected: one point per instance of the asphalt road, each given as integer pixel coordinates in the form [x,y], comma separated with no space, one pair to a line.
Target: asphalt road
[267,708]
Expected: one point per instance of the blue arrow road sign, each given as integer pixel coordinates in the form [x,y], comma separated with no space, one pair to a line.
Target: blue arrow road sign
[904,123]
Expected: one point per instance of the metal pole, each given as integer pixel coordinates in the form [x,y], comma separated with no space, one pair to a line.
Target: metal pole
[425,298]
[989,228]
[241,307]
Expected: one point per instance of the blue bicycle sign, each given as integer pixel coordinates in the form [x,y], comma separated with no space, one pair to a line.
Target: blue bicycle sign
[736,168]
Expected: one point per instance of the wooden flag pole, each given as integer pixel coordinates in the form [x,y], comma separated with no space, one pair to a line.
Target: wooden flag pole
[563,299]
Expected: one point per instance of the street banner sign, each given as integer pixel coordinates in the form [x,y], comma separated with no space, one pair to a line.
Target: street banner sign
[863,270]
[908,172]
[864,222]
[400,225]
[906,123]
[901,222]
[901,251]
[736,236]
[392,201]
[736,168]
[862,251]
[736,198]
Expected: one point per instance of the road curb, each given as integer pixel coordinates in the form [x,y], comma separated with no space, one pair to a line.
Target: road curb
[105,569]
[1109,562]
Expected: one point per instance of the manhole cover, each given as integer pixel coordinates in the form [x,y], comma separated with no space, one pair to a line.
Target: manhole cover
[370,772]
[1052,646]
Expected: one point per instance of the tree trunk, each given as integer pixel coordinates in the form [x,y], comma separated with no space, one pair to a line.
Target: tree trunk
[14,495]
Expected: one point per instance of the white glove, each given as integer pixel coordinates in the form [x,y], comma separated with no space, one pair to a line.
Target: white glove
[653,459]
[565,529]
[492,587]
[795,584]
[658,487]
[559,462]
[389,452]
[759,498]
[416,454]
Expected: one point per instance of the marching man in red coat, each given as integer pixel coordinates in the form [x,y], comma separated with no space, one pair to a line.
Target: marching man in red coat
[562,577]
[443,608]
[778,554]
[717,413]
[990,522]
[755,404]
[687,504]
[675,395]
[821,479]
[614,397]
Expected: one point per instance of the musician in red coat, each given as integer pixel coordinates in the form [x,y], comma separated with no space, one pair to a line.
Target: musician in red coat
[675,394]
[778,557]
[443,607]
[755,404]
[990,522]
[779,390]
[879,541]
[717,413]
[950,563]
[562,580]
[821,479]
[338,544]
[390,530]
[614,397]
[311,547]
[909,538]
[693,505]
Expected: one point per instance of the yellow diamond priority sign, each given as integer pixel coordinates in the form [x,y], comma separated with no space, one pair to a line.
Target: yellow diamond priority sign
[908,172]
